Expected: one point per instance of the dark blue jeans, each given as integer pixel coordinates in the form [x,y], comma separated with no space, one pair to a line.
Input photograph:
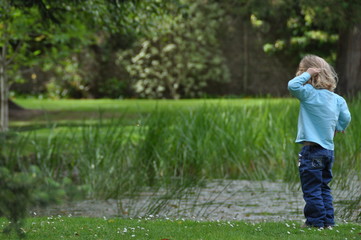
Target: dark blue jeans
[315,167]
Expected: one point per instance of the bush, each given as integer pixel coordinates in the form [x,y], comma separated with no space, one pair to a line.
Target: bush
[182,58]
[21,190]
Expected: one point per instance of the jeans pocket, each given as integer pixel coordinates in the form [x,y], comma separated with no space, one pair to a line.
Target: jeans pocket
[317,163]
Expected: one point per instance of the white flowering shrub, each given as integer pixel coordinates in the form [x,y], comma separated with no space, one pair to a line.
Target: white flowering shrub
[182,58]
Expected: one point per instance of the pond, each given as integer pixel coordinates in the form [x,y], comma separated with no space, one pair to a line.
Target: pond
[216,200]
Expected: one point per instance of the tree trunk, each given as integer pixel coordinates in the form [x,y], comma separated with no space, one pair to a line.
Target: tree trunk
[245,57]
[348,63]
[4,109]
[4,90]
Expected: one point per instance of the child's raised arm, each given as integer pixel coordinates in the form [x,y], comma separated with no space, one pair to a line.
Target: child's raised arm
[297,85]
[344,118]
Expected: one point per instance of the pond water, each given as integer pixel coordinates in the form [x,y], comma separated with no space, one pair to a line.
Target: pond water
[217,200]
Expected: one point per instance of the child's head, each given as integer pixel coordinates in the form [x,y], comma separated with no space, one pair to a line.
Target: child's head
[326,79]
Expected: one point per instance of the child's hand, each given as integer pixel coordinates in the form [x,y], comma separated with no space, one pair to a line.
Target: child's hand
[313,71]
[336,131]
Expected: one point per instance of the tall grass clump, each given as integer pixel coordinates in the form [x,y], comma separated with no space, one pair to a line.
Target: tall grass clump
[348,162]
[97,156]
[250,142]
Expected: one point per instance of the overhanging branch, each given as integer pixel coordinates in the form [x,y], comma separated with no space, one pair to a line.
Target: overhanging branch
[14,54]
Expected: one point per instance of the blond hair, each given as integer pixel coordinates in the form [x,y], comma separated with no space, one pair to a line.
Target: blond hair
[326,79]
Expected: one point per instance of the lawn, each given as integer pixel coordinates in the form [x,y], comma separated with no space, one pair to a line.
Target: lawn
[136,105]
[55,228]
[90,110]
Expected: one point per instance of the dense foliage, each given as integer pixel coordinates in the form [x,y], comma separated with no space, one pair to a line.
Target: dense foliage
[182,58]
[168,49]
[47,44]
[295,28]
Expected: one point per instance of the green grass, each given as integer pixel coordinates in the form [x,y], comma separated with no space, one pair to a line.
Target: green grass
[95,228]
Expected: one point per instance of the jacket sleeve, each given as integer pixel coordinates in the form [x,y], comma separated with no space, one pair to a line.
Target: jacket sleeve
[297,86]
[345,116]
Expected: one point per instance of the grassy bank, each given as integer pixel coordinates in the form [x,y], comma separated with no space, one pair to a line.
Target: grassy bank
[94,228]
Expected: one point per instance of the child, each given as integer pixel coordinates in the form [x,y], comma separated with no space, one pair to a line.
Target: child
[322,114]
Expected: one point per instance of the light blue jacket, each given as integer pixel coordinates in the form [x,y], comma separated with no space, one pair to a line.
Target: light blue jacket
[321,112]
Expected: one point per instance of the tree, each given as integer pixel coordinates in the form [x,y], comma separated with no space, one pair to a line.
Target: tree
[31,30]
[344,19]
[25,37]
[328,28]
[13,26]
[349,59]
